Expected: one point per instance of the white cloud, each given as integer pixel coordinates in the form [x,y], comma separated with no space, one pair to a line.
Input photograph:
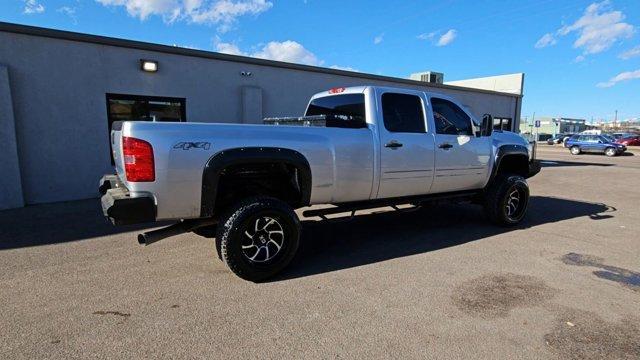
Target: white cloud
[546,40]
[427,36]
[631,53]
[287,51]
[597,29]
[33,7]
[345,68]
[378,39]
[228,48]
[447,38]
[223,13]
[579,58]
[625,76]
[70,12]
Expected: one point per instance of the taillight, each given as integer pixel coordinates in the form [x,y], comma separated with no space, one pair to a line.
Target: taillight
[138,160]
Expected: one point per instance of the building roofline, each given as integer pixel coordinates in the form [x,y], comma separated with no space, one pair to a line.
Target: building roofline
[140,45]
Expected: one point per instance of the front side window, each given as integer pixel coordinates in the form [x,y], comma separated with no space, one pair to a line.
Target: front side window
[348,107]
[450,119]
[402,113]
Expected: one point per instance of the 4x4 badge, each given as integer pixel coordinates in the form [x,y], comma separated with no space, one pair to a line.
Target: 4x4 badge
[186,145]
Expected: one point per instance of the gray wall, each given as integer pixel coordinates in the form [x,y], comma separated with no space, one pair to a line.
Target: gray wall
[58,88]
[10,182]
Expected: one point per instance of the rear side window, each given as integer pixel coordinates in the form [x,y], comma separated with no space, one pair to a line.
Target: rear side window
[348,107]
[450,119]
[402,113]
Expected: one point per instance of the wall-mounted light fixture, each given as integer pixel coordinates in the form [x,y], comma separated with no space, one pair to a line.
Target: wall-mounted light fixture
[148,65]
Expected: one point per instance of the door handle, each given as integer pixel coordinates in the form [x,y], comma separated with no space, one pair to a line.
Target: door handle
[393,144]
[445,146]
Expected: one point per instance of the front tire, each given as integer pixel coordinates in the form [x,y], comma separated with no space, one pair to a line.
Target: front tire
[575,150]
[610,152]
[506,199]
[258,237]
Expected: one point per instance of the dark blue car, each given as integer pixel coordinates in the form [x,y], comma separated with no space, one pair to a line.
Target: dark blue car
[594,144]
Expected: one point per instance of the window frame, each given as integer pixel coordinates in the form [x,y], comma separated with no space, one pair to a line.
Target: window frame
[472,123]
[423,109]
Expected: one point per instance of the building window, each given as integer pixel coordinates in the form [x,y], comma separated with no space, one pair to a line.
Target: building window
[502,123]
[121,107]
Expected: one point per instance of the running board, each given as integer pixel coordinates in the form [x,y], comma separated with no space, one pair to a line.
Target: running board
[392,202]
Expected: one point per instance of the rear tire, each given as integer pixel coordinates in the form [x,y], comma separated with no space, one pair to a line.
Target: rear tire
[506,199]
[258,237]
[610,152]
[575,150]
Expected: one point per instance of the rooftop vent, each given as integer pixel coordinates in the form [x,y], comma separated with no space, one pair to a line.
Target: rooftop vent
[428,76]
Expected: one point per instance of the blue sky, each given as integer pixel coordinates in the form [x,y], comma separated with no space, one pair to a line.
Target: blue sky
[581,58]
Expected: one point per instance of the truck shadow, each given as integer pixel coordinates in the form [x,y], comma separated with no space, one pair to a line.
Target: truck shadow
[58,223]
[558,163]
[328,246]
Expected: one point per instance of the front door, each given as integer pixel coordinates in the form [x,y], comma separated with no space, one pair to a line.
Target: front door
[406,150]
[462,157]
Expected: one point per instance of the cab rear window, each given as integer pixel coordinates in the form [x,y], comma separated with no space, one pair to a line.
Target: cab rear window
[340,110]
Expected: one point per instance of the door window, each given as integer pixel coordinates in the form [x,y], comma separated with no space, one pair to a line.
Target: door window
[450,119]
[402,113]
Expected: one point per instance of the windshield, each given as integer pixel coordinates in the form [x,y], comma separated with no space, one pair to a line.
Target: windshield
[345,107]
[607,138]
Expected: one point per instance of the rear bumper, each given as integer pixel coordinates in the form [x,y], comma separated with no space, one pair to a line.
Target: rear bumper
[120,207]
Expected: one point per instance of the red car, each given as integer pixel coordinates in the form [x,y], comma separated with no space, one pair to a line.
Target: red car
[630,141]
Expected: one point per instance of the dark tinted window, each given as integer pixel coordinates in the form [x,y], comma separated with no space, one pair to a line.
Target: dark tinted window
[346,107]
[450,119]
[402,113]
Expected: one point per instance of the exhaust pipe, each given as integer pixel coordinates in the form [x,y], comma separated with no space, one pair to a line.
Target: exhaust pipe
[178,228]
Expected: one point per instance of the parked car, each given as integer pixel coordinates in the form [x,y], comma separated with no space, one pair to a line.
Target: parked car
[356,148]
[618,136]
[578,144]
[558,139]
[633,140]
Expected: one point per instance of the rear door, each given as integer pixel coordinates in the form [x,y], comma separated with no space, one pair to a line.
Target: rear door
[406,149]
[462,156]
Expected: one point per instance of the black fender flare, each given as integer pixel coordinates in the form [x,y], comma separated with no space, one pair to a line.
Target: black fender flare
[238,156]
[504,151]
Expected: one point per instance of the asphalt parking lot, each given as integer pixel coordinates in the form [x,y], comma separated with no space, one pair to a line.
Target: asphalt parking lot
[434,283]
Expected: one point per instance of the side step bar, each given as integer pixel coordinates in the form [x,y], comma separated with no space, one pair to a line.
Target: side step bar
[393,202]
[178,228]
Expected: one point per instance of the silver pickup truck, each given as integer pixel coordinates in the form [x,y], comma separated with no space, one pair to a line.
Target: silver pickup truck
[355,148]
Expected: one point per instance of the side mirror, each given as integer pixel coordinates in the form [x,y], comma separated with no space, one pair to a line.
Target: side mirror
[487,125]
